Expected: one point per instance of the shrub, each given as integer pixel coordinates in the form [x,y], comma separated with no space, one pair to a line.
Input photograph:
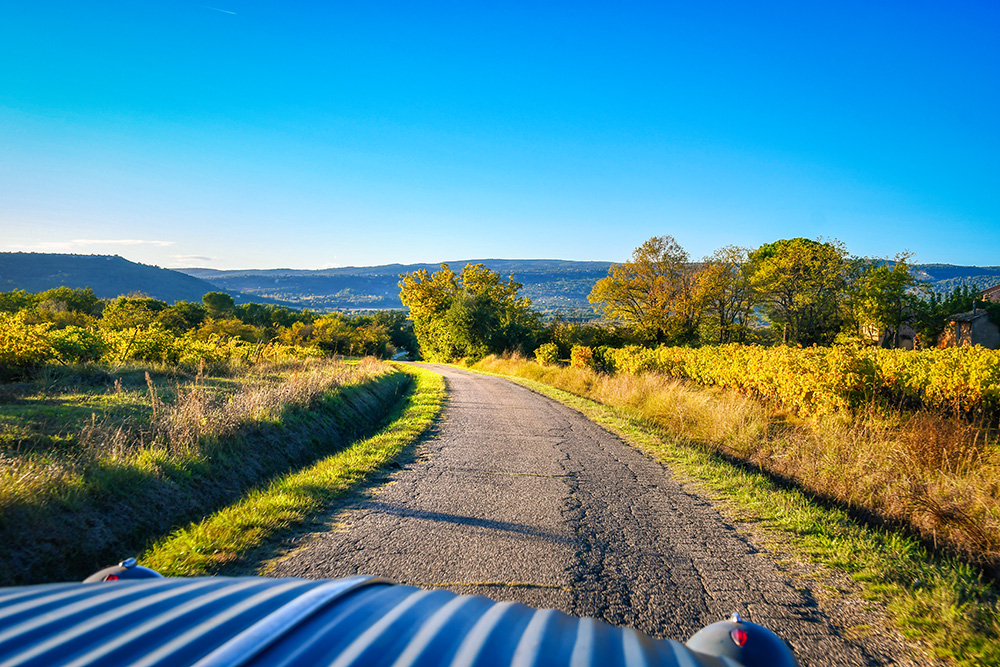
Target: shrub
[23,346]
[547,354]
[581,356]
[192,350]
[152,343]
[76,344]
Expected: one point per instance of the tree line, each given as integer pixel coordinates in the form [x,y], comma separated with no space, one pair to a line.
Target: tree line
[793,291]
[74,325]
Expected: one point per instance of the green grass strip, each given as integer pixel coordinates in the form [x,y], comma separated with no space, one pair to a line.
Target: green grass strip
[228,536]
[942,603]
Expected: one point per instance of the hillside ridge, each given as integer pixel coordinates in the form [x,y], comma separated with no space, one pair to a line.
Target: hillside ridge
[108,275]
[551,284]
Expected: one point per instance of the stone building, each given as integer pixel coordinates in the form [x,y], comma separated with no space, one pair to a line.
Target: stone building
[992,294]
[972,328]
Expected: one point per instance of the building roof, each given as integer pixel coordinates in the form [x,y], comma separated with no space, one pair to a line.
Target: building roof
[967,317]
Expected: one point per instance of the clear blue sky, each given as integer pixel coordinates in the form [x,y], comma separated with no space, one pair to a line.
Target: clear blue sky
[236,133]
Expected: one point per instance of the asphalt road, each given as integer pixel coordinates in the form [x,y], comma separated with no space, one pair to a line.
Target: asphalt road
[517,497]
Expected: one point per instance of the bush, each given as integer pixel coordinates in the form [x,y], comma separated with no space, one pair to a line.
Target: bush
[192,350]
[23,346]
[152,343]
[581,356]
[76,344]
[547,354]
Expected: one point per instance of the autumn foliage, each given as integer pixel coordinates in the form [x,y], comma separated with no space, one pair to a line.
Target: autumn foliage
[823,380]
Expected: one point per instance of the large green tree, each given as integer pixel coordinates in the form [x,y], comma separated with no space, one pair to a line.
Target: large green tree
[654,292]
[800,282]
[468,315]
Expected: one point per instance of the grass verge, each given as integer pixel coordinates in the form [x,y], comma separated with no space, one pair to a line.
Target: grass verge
[943,603]
[176,452]
[227,537]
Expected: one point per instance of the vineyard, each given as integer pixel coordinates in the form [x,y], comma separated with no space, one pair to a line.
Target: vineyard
[67,327]
[25,345]
[815,380]
[909,436]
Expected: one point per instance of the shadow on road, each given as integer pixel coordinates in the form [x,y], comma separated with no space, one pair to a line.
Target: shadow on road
[508,526]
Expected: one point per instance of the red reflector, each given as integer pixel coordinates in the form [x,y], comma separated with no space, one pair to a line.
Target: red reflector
[111,577]
[739,636]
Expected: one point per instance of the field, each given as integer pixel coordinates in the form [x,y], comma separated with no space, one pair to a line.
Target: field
[95,461]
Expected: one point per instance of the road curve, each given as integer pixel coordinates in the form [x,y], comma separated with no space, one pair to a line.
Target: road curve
[517,497]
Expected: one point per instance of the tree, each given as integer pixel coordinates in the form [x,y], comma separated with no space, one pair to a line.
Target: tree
[653,292]
[468,315]
[75,300]
[16,300]
[126,312]
[270,315]
[218,304]
[800,282]
[884,298]
[728,296]
[182,316]
[333,333]
[399,328]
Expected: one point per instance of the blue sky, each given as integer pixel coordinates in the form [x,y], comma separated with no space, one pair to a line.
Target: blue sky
[241,134]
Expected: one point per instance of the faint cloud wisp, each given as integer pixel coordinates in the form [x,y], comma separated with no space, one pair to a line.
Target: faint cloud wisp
[187,259]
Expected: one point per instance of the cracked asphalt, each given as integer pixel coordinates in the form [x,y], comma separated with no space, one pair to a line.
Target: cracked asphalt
[517,497]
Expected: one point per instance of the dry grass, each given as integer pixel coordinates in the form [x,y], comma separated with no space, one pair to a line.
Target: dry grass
[935,474]
[230,540]
[183,419]
[84,480]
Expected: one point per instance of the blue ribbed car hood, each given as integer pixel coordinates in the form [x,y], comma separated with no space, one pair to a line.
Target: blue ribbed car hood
[259,621]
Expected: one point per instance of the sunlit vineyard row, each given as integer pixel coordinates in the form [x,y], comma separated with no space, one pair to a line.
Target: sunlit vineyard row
[817,380]
[24,344]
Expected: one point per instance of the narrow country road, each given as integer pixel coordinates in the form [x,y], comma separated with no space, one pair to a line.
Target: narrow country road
[517,497]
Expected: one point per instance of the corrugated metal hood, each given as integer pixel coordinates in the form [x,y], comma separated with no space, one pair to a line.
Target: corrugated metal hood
[257,621]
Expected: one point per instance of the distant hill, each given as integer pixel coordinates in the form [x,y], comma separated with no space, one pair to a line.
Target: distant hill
[551,284]
[946,277]
[108,275]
